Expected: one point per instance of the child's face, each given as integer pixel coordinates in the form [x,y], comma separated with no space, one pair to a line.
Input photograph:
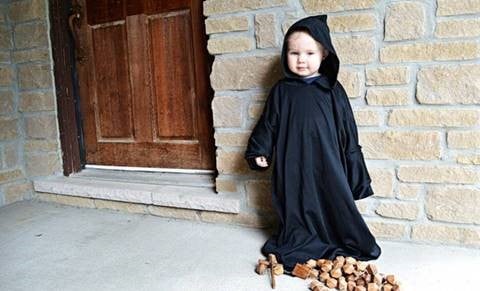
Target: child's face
[304,54]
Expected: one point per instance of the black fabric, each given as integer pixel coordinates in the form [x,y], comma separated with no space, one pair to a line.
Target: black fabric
[307,131]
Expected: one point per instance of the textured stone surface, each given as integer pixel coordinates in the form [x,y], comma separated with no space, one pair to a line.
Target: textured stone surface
[392,75]
[66,200]
[245,219]
[469,159]
[6,76]
[407,191]
[43,126]
[10,175]
[449,84]
[259,194]
[382,181]
[232,138]
[367,117]
[438,174]
[386,230]
[388,96]
[30,35]
[458,28]
[5,37]
[453,204]
[6,102]
[48,145]
[34,76]
[255,110]
[211,7]
[226,24]
[37,101]
[230,44]
[401,145]
[463,139]
[121,206]
[354,49]
[405,20]
[225,185]
[42,164]
[434,117]
[245,72]
[17,192]
[448,7]
[351,80]
[227,111]
[352,22]
[174,212]
[265,33]
[231,162]
[8,128]
[404,210]
[444,233]
[421,51]
[30,55]
[27,10]
[317,6]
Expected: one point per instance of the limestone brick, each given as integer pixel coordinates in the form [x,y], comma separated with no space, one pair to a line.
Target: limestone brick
[227,111]
[245,72]
[401,145]
[388,96]
[322,6]
[30,35]
[453,84]
[121,206]
[438,174]
[27,10]
[30,55]
[8,128]
[37,101]
[42,126]
[457,28]
[245,219]
[354,49]
[463,139]
[403,210]
[231,162]
[42,164]
[386,230]
[367,117]
[226,24]
[434,117]
[352,22]
[17,192]
[34,76]
[232,138]
[7,102]
[405,20]
[392,75]
[5,37]
[351,80]
[448,7]
[173,212]
[382,181]
[468,159]
[453,204]
[225,185]
[229,44]
[446,234]
[44,145]
[6,76]
[407,191]
[422,51]
[10,175]
[265,33]
[259,194]
[211,7]
[255,110]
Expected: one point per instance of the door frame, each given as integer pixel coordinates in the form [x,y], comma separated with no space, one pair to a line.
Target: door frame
[66,86]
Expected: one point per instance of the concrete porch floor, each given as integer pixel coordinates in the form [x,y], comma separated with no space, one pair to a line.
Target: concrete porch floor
[47,246]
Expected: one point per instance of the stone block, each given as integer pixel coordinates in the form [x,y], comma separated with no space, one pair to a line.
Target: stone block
[463,139]
[211,7]
[351,80]
[41,126]
[446,234]
[367,117]
[438,174]
[434,117]
[400,210]
[444,84]
[6,76]
[7,102]
[227,112]
[259,194]
[453,204]
[387,230]
[265,34]
[245,72]
[42,164]
[382,181]
[457,28]
[231,162]
[34,76]
[405,20]
[448,7]
[401,145]
[392,75]
[232,138]
[229,44]
[388,96]
[37,101]
[8,128]
[322,6]
[352,22]
[27,10]
[226,24]
[30,35]
[354,49]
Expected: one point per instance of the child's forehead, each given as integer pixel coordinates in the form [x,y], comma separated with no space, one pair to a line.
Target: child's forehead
[297,37]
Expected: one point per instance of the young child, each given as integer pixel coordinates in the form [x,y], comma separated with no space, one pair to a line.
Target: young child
[308,129]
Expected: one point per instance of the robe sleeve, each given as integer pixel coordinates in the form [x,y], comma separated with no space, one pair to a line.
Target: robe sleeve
[263,136]
[356,169]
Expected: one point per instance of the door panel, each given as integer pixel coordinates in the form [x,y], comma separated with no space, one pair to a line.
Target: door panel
[144,87]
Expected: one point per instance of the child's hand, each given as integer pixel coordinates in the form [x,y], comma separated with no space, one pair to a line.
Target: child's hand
[261,161]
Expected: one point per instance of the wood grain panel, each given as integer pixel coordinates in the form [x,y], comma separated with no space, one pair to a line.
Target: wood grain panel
[113,104]
[172,61]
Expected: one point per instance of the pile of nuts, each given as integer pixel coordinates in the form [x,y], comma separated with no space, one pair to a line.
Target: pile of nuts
[345,274]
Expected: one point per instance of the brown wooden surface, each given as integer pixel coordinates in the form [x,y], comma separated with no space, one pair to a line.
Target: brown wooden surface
[63,66]
[144,86]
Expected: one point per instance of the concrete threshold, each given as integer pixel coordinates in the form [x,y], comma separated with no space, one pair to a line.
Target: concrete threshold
[188,191]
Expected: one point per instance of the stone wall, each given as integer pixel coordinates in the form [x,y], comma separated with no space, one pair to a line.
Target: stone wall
[29,143]
[412,72]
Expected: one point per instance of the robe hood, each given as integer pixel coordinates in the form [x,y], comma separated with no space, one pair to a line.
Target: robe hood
[318,29]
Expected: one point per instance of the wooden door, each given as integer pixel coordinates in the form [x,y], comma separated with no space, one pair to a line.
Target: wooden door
[143,72]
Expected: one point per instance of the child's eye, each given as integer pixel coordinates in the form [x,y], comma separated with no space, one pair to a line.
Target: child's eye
[294,53]
[311,53]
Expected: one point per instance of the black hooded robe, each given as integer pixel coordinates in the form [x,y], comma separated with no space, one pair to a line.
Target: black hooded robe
[309,133]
